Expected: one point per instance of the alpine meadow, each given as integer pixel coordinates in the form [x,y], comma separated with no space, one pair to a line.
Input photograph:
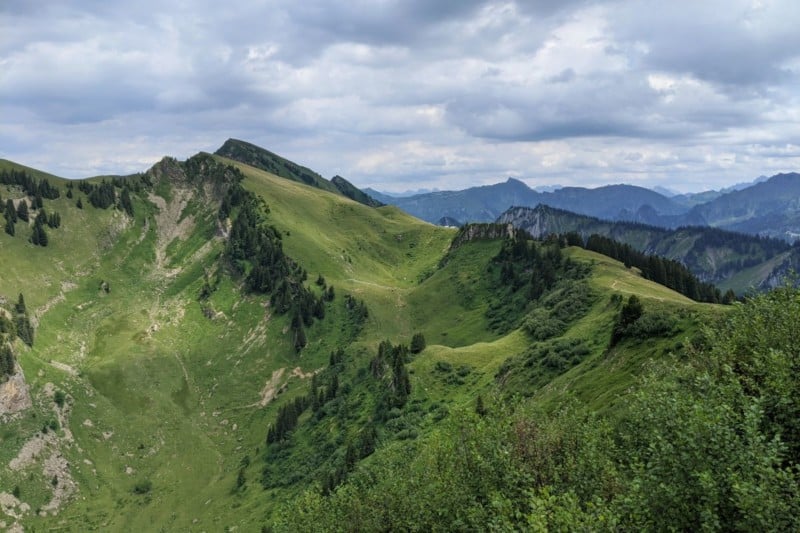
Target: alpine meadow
[232,342]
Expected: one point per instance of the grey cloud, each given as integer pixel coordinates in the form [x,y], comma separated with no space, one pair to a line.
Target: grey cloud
[564,76]
[446,92]
[726,42]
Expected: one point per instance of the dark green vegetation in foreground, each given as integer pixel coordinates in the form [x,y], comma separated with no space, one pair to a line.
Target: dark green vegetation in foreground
[709,441]
[237,349]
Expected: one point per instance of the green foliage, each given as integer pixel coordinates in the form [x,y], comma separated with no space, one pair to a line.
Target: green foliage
[22,322]
[22,210]
[30,185]
[523,272]
[143,486]
[417,343]
[540,363]
[39,235]
[126,202]
[759,346]
[288,416]
[629,314]
[707,444]
[59,398]
[664,271]
[7,360]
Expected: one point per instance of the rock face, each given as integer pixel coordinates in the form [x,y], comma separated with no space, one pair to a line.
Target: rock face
[479,232]
[14,394]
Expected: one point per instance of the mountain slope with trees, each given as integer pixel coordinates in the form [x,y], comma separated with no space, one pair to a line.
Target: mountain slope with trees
[228,348]
[731,260]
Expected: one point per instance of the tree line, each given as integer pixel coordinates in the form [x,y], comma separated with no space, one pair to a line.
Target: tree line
[655,268]
[255,250]
[522,272]
[41,188]
[13,323]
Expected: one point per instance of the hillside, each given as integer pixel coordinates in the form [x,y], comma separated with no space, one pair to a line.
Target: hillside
[730,260]
[215,346]
[770,207]
[263,159]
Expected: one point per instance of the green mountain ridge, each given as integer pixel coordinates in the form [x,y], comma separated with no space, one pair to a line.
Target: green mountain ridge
[263,159]
[167,387]
[731,260]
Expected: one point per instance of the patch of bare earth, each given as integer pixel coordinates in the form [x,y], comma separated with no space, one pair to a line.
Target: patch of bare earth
[169,226]
[271,387]
[46,448]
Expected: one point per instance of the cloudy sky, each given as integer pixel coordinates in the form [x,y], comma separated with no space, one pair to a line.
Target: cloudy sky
[402,95]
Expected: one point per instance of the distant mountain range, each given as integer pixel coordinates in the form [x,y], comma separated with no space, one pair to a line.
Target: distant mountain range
[766,206]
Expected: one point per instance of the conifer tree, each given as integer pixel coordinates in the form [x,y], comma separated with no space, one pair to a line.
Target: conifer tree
[417,343]
[300,339]
[11,212]
[22,210]
[126,202]
[6,360]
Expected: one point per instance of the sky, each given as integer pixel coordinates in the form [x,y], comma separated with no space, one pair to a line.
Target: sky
[402,95]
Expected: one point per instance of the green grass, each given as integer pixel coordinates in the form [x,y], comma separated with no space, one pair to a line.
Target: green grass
[163,395]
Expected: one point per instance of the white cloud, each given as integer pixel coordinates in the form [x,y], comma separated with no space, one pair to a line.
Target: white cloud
[410,94]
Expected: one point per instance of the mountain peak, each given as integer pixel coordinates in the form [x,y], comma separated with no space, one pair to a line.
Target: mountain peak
[516,183]
[263,159]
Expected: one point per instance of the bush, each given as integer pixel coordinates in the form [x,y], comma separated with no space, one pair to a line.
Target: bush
[59,398]
[540,325]
[143,486]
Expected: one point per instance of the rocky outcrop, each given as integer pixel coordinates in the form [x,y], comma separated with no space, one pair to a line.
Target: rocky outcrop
[481,232]
[14,394]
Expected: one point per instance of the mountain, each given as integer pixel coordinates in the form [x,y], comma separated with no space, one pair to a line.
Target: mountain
[770,207]
[766,206]
[354,193]
[486,203]
[209,346]
[263,159]
[730,260]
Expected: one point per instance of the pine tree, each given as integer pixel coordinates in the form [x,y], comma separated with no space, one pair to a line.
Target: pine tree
[22,210]
[125,200]
[6,360]
[300,340]
[20,307]
[11,212]
[39,235]
[417,343]
[79,204]
[9,227]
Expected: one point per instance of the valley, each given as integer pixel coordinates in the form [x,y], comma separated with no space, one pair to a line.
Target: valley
[172,385]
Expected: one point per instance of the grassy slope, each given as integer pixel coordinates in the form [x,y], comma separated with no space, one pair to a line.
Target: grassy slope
[172,397]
